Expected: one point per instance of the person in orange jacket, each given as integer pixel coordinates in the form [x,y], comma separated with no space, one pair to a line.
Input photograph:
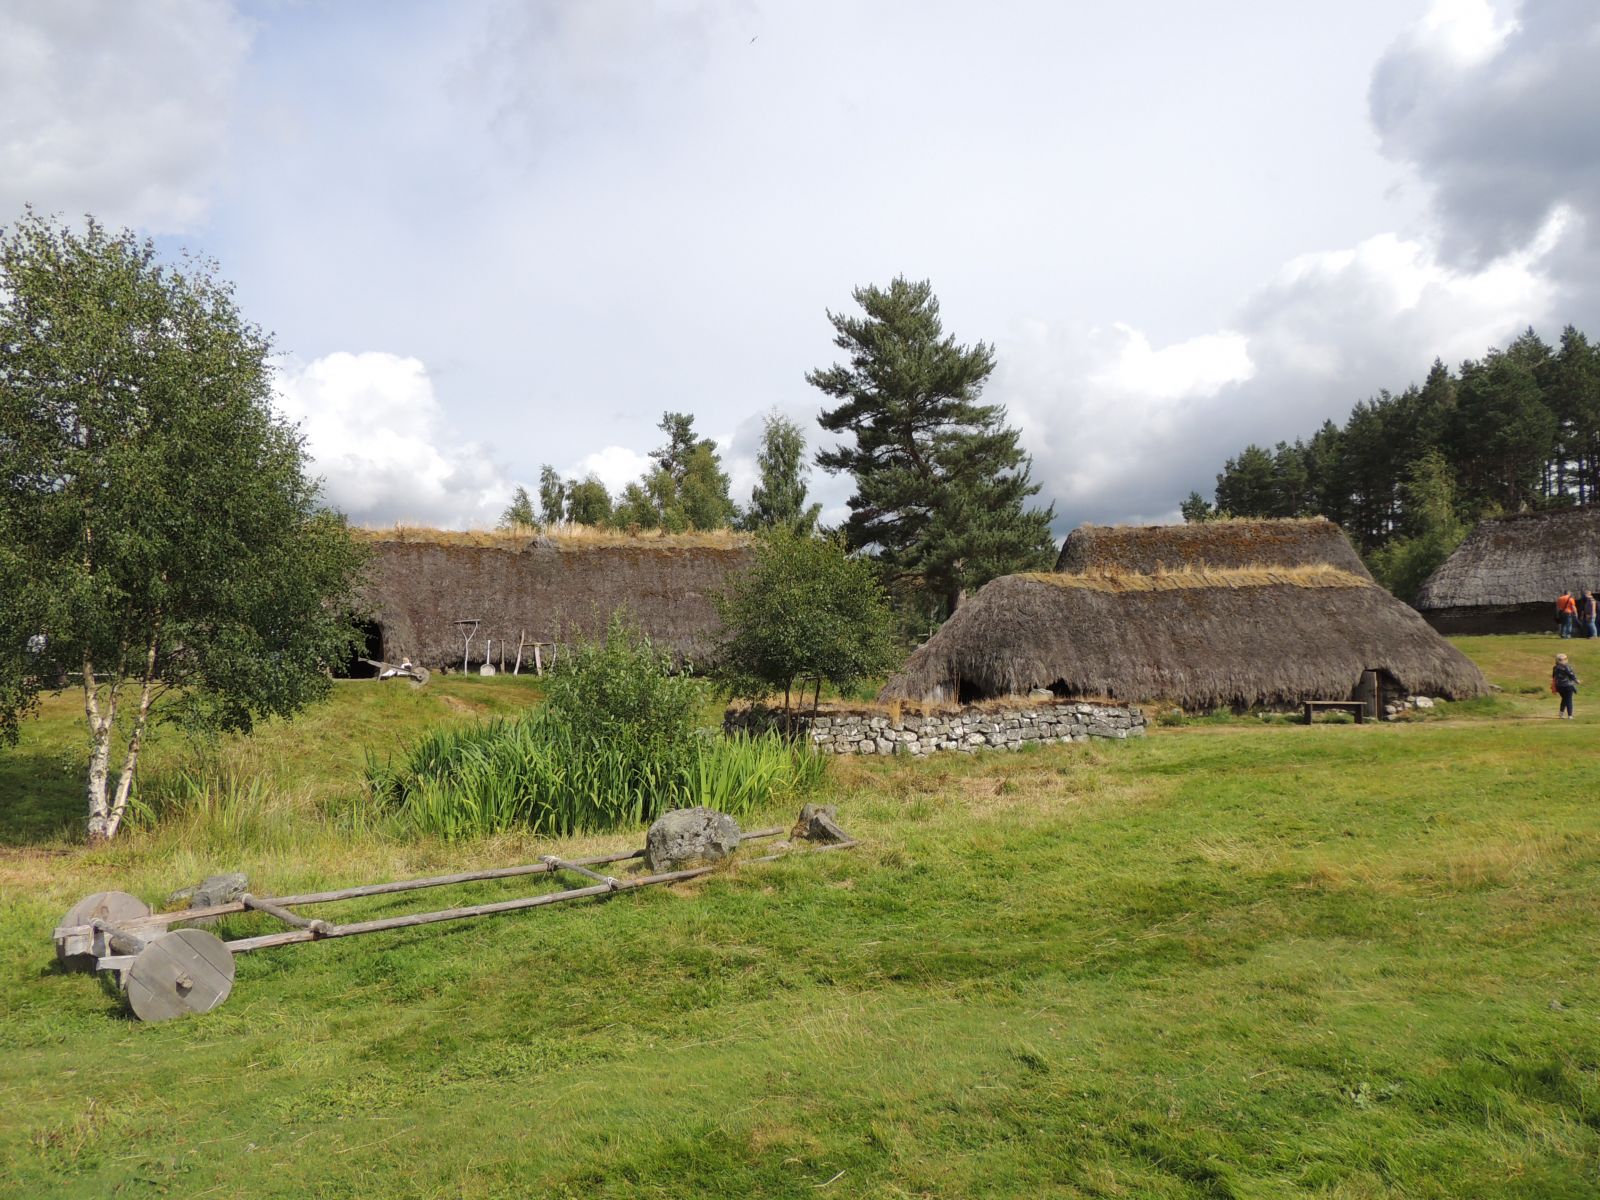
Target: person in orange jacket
[1566,613]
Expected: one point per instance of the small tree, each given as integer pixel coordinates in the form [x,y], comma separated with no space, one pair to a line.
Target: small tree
[1432,529]
[703,491]
[159,531]
[552,496]
[686,489]
[805,613]
[779,497]
[588,502]
[520,511]
[1196,508]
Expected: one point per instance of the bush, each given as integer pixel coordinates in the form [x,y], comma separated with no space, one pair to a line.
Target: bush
[614,745]
[805,613]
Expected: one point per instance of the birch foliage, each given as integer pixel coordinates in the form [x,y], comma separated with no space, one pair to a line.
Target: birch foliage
[160,533]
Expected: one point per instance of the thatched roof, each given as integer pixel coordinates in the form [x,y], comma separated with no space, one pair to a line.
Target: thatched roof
[1233,543]
[1200,639]
[1526,559]
[421,583]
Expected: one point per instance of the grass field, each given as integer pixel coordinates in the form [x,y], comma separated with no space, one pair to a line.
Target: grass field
[1234,959]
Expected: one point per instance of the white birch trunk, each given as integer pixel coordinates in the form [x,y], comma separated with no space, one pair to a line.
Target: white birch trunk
[101,725]
[130,761]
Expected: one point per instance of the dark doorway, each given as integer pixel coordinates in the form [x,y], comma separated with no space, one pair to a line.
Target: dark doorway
[371,647]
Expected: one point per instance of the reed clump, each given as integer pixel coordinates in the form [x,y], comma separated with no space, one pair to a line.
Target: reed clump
[615,745]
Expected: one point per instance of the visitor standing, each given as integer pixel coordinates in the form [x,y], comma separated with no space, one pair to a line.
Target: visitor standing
[1564,682]
[1566,613]
[1587,615]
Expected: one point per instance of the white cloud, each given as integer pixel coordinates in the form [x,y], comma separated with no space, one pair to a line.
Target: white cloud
[120,110]
[1118,426]
[1463,32]
[616,467]
[1197,367]
[376,434]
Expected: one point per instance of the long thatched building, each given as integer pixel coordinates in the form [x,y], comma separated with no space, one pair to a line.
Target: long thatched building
[1308,542]
[1506,576]
[1187,632]
[427,590]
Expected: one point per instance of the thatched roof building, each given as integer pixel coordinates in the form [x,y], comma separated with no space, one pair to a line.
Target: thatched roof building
[422,583]
[1506,576]
[1202,639]
[1313,541]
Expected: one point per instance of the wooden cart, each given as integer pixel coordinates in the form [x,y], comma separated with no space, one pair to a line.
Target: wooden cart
[169,972]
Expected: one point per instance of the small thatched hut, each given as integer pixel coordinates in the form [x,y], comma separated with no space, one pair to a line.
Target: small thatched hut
[422,583]
[1201,637]
[1506,576]
[1145,549]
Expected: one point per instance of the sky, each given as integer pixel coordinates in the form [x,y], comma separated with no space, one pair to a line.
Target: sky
[491,234]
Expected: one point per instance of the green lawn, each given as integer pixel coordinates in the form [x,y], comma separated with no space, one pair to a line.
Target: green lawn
[1229,960]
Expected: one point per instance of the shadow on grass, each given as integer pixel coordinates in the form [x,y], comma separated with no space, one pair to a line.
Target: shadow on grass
[40,800]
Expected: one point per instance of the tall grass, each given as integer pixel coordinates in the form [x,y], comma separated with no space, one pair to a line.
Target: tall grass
[218,810]
[537,774]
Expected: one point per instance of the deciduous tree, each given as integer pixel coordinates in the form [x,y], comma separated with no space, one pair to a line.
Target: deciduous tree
[805,613]
[552,496]
[159,531]
[779,496]
[519,511]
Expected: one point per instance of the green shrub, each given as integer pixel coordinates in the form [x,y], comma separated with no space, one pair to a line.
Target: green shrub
[614,745]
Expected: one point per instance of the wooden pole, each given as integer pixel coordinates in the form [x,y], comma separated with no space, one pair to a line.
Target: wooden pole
[411,920]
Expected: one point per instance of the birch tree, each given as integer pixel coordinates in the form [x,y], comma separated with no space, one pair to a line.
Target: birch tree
[163,543]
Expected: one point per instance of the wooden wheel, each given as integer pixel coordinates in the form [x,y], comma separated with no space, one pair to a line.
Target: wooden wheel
[186,971]
[76,951]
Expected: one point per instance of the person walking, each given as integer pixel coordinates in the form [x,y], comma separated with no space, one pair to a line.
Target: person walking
[1566,613]
[1564,682]
[1587,615]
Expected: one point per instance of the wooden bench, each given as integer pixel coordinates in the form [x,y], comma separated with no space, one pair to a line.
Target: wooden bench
[1359,707]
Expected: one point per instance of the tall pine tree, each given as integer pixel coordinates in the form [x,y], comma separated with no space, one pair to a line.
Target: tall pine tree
[940,479]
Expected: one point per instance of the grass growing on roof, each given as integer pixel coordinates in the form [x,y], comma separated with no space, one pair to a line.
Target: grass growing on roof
[1247,961]
[575,536]
[1311,575]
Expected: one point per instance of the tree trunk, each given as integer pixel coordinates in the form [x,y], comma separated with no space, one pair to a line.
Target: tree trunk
[130,760]
[100,730]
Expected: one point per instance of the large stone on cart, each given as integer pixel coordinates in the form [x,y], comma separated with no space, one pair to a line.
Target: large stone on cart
[687,837]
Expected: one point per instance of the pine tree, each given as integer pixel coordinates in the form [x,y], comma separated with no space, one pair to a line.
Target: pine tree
[686,489]
[940,479]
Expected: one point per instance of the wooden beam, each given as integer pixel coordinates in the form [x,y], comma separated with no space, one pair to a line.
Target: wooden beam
[411,920]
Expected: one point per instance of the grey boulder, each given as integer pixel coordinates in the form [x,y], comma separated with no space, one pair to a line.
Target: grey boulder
[687,837]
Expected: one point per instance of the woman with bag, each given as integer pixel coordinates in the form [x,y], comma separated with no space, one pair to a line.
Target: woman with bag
[1564,682]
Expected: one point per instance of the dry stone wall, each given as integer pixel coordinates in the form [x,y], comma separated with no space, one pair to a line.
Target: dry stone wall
[962,730]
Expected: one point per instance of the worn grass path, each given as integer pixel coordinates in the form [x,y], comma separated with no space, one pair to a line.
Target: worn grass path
[1250,960]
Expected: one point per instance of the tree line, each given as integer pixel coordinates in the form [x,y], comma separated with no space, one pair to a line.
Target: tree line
[941,483]
[1408,473]
[685,489]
